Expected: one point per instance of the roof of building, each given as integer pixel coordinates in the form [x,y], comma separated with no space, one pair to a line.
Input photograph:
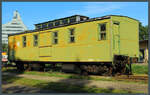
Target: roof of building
[61,19]
[88,20]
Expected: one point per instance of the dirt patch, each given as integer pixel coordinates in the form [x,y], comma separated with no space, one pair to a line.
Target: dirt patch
[15,88]
[89,83]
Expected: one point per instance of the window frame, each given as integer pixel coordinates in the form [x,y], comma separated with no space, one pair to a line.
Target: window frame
[64,23]
[71,35]
[24,41]
[39,26]
[35,41]
[52,25]
[54,37]
[57,23]
[72,20]
[102,34]
[44,25]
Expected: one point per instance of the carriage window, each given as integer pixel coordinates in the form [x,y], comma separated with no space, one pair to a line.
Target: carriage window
[72,20]
[102,31]
[44,25]
[24,41]
[50,25]
[65,21]
[72,35]
[35,40]
[55,37]
[57,23]
[38,26]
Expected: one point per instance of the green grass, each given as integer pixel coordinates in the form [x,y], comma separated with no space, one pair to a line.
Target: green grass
[139,69]
[58,74]
[61,87]
[76,76]
[72,76]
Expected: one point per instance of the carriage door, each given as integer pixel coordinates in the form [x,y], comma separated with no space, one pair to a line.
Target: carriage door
[45,46]
[116,38]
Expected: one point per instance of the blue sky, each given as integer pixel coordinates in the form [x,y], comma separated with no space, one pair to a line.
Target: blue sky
[37,12]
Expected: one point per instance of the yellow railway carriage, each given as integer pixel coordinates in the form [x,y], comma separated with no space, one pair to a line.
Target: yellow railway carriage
[79,41]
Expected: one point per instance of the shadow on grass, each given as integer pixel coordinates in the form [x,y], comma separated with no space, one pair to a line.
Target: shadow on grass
[76,86]
[72,84]
[9,77]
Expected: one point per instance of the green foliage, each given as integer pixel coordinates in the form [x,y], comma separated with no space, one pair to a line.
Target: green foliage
[143,32]
[139,69]
[5,47]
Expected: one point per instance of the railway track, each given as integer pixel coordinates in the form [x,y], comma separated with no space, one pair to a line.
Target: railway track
[132,77]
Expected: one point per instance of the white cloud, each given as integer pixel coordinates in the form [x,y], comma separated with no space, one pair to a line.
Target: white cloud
[96,8]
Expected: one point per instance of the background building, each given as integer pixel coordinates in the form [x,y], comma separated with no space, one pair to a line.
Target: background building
[143,51]
[14,26]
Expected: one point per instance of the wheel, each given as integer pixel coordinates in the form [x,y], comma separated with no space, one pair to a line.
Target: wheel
[20,66]
[106,71]
[29,68]
[78,70]
[84,73]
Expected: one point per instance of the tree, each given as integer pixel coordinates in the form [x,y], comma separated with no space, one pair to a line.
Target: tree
[4,47]
[143,32]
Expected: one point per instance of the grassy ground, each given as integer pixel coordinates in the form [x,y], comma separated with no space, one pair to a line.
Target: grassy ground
[60,87]
[73,76]
[139,69]
[65,88]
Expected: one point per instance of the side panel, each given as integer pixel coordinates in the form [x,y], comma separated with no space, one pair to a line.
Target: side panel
[129,36]
[86,47]
[31,51]
[45,46]
[16,42]
[11,51]
[28,53]
[116,38]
